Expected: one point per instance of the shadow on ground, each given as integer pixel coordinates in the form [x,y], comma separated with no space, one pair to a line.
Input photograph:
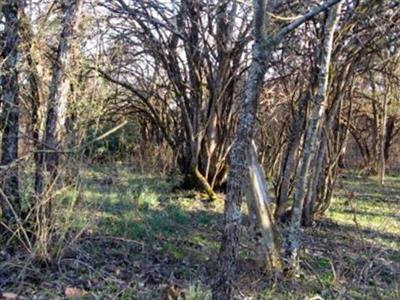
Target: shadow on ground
[143,237]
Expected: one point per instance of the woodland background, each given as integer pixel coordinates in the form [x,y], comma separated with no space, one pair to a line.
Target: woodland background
[132,131]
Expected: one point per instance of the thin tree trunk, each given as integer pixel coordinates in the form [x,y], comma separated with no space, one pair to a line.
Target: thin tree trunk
[48,159]
[289,162]
[10,102]
[206,186]
[382,140]
[317,111]
[312,193]
[376,120]
[338,144]
[322,158]
[224,287]
[390,128]
[57,101]
[35,95]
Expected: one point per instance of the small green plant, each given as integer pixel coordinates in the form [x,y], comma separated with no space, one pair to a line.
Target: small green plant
[197,292]
[147,199]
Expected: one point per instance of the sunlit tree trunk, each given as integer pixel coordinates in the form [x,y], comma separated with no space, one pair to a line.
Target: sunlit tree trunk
[260,215]
[312,191]
[223,288]
[382,139]
[310,142]
[10,103]
[376,111]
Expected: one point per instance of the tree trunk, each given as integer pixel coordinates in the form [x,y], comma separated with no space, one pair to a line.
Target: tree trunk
[35,92]
[337,146]
[48,160]
[374,165]
[10,102]
[312,193]
[260,215]
[317,112]
[58,98]
[382,141]
[224,286]
[289,162]
[390,128]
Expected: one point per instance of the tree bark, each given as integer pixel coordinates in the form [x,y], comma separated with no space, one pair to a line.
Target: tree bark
[58,98]
[259,209]
[10,102]
[48,159]
[224,286]
[382,141]
[262,47]
[312,192]
[390,128]
[289,162]
[33,78]
[317,112]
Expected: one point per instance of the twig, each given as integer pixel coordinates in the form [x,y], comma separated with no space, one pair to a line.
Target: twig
[116,238]
[315,273]
[17,219]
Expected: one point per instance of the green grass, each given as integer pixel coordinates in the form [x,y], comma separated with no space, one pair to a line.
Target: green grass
[354,251]
[198,292]
[362,225]
[375,208]
[141,234]
[135,203]
[143,208]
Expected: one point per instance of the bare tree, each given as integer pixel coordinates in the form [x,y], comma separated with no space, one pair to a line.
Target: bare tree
[261,53]
[311,139]
[195,56]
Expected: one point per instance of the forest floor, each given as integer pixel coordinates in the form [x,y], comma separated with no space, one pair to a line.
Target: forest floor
[136,237]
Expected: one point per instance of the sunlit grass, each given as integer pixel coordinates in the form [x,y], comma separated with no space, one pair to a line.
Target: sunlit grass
[145,208]
[182,228]
[142,207]
[364,202]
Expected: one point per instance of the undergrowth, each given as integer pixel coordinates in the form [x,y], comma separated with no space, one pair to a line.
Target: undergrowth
[144,239]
